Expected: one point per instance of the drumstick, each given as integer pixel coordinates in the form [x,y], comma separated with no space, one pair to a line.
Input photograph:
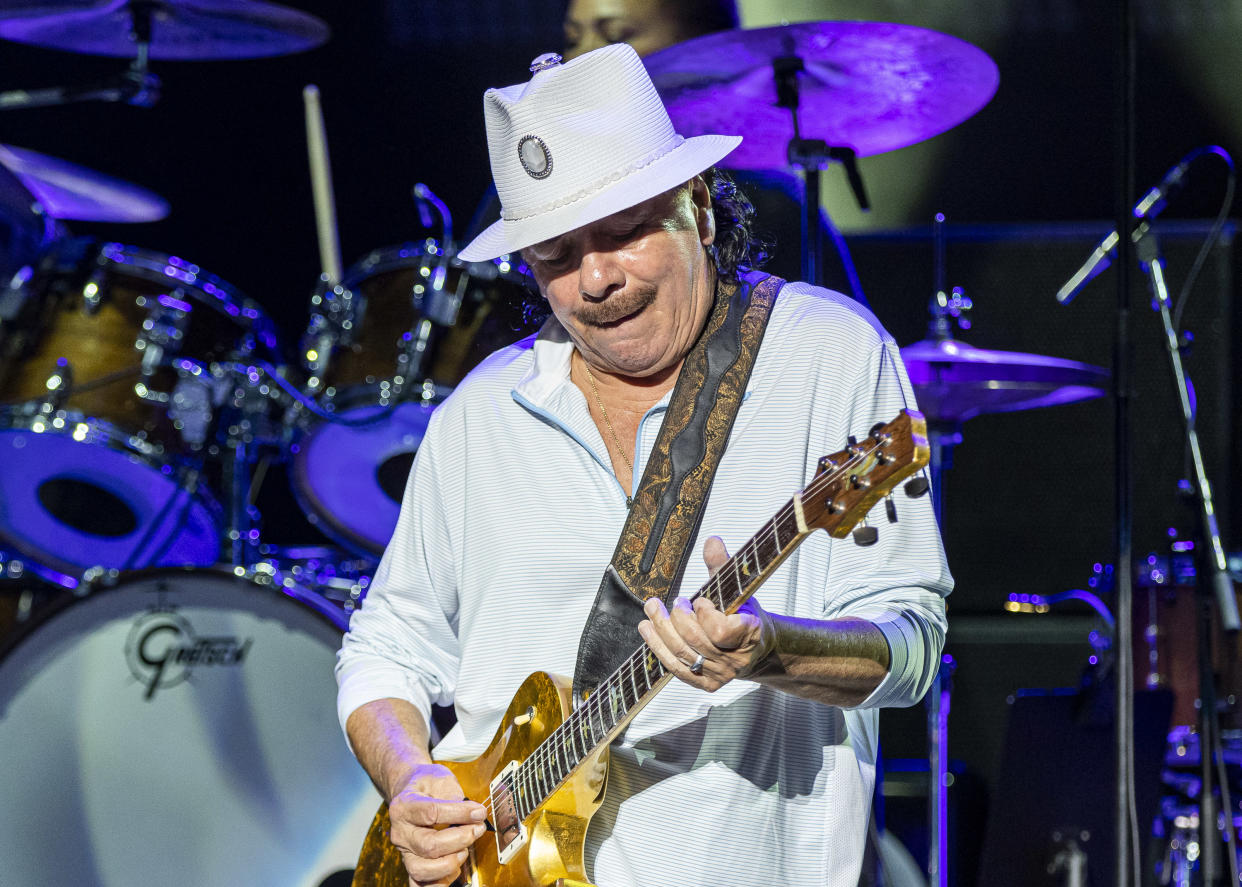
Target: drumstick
[321,187]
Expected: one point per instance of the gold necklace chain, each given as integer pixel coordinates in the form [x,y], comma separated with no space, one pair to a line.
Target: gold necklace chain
[603,412]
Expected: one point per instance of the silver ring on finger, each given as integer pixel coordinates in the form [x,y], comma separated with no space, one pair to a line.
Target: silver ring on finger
[696,667]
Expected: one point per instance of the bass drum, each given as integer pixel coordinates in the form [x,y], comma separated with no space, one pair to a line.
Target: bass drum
[178,727]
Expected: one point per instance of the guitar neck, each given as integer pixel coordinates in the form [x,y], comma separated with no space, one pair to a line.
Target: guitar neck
[620,697]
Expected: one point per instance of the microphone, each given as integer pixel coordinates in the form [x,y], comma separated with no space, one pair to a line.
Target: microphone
[1150,206]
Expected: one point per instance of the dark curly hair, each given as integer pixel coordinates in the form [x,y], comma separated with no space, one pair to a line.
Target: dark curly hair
[737,245]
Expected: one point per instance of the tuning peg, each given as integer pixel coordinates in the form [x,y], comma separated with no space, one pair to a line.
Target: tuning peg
[890,508]
[916,486]
[877,431]
[865,535]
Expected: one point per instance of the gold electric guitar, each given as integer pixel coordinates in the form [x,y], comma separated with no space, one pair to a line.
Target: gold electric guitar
[540,777]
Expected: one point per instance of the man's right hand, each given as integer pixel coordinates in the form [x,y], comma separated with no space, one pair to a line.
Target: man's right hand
[433,825]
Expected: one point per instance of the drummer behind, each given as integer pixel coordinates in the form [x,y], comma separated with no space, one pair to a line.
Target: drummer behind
[757,765]
[646,25]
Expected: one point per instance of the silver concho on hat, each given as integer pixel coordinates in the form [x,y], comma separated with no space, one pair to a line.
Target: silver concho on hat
[535,157]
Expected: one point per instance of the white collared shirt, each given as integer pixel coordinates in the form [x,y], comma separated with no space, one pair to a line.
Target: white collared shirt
[512,513]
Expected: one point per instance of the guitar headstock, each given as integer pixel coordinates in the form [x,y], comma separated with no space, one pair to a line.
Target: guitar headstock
[850,482]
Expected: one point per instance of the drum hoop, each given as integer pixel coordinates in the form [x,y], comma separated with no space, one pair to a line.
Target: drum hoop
[151,266]
[321,607]
[391,258]
[100,432]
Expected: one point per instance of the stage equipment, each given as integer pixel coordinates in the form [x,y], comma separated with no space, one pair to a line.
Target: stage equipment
[141,30]
[167,30]
[382,348]
[179,724]
[808,94]
[1147,250]
[122,370]
[66,190]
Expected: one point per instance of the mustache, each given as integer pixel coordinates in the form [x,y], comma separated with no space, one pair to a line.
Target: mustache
[615,307]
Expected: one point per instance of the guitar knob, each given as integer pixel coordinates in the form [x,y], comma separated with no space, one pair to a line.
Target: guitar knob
[917,486]
[890,508]
[866,535]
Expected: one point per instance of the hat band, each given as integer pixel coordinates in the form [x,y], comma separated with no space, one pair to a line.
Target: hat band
[597,186]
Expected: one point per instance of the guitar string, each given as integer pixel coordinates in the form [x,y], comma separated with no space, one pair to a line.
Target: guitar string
[555,742]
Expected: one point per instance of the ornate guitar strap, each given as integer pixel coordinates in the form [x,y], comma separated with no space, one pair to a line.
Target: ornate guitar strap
[668,506]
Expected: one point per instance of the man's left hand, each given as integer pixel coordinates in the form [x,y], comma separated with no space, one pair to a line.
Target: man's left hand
[703,646]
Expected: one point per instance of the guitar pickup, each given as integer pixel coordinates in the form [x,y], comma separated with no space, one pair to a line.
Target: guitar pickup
[506,822]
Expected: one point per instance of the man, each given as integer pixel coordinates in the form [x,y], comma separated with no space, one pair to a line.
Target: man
[756,765]
[647,25]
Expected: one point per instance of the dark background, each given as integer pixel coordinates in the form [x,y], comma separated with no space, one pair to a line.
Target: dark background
[1025,185]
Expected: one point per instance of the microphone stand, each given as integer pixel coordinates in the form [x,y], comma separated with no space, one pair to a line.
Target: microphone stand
[1152,262]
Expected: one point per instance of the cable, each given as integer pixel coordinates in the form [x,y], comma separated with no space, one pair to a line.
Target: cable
[1217,226]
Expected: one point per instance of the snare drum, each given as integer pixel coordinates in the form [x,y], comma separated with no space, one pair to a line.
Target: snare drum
[179,726]
[107,403]
[382,349]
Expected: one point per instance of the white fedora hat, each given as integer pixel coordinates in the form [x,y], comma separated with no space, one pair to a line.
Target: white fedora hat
[578,142]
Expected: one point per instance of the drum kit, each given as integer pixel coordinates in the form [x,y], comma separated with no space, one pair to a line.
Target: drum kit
[157,671]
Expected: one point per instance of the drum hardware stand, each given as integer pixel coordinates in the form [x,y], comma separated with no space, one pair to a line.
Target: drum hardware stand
[439,308]
[1070,860]
[938,699]
[1152,262]
[136,86]
[332,307]
[244,433]
[811,156]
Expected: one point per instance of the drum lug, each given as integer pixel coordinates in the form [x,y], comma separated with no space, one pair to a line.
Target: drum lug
[334,314]
[92,293]
[162,333]
[59,386]
[192,404]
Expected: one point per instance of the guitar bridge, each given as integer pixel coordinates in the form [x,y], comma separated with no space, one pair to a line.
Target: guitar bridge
[506,821]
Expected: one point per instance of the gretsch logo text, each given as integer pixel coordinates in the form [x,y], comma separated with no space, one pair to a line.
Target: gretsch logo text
[163,651]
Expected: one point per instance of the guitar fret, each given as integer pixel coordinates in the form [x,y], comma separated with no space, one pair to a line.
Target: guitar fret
[629,666]
[571,728]
[562,761]
[594,718]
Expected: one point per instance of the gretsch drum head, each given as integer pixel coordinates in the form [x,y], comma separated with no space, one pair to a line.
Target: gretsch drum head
[178,728]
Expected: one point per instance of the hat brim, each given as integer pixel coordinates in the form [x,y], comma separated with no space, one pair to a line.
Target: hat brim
[687,160]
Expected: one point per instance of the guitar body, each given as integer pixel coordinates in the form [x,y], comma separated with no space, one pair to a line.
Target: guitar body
[555,830]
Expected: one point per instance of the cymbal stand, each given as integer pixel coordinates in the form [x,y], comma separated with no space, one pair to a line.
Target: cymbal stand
[938,699]
[1147,250]
[136,86]
[811,156]
[943,309]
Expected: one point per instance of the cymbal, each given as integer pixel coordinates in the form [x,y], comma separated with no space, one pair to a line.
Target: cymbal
[870,86]
[181,30]
[955,381]
[68,191]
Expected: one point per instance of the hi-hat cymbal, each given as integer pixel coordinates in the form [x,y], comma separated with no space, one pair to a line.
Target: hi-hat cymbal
[181,30]
[955,381]
[870,86]
[68,191]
